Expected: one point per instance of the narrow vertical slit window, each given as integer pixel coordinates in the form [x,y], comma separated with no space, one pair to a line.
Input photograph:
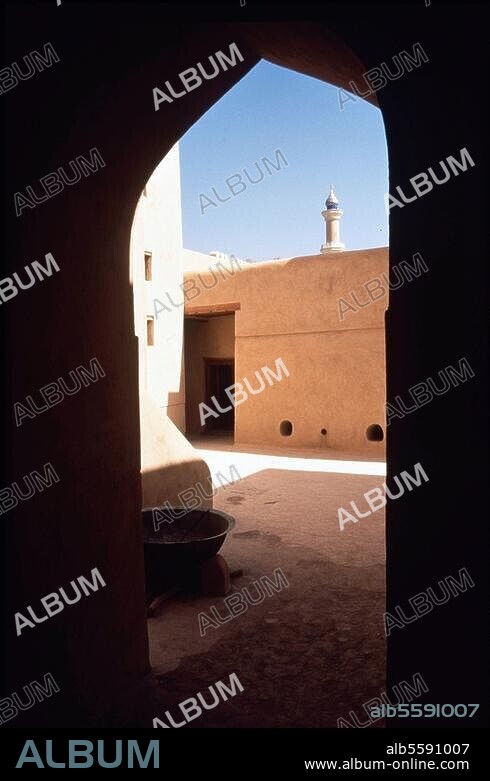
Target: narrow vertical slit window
[150,331]
[148,274]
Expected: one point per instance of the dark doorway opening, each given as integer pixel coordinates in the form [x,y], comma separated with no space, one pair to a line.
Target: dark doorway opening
[209,349]
[220,375]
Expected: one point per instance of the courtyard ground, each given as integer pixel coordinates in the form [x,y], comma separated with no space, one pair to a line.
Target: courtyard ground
[312,652]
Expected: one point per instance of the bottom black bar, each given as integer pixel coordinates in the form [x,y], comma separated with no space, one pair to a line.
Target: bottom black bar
[293,751]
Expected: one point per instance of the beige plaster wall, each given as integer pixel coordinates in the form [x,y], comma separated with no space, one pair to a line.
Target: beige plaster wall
[169,463]
[290,310]
[157,228]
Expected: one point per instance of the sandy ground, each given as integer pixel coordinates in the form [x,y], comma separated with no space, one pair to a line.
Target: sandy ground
[314,651]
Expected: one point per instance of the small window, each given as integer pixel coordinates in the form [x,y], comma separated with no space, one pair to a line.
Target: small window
[286,428]
[148,276]
[374,433]
[150,331]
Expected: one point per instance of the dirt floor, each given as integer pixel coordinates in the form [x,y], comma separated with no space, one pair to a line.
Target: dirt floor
[312,652]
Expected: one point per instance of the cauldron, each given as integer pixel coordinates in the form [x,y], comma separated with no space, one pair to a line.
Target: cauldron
[176,541]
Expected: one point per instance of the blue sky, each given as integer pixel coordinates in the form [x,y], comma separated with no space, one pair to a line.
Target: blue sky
[276,108]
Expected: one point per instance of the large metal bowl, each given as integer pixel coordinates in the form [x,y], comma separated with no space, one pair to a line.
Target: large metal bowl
[176,542]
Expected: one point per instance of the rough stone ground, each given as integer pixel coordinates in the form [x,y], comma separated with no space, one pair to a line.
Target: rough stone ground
[314,651]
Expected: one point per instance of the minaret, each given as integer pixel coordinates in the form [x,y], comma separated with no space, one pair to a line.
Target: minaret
[332,215]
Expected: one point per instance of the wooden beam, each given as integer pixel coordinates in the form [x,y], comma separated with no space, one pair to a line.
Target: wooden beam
[211,309]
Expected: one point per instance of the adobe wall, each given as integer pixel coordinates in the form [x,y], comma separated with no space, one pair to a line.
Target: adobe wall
[157,228]
[335,357]
[169,464]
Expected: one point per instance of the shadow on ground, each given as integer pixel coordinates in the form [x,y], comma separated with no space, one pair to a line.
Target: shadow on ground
[305,656]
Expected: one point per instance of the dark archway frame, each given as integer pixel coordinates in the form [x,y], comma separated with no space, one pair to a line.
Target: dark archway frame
[99,95]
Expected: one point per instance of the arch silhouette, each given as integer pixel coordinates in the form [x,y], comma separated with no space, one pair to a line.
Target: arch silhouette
[98,649]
